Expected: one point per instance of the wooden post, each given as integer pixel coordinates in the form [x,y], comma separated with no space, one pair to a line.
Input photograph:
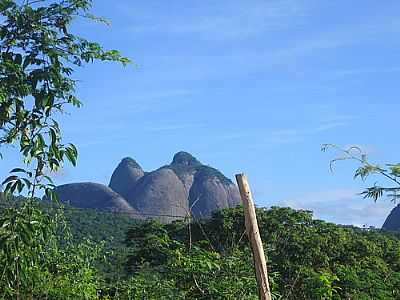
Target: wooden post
[254,237]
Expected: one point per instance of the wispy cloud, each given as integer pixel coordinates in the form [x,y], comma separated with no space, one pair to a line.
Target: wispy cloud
[346,35]
[175,127]
[340,117]
[264,138]
[365,71]
[328,126]
[226,19]
[117,116]
[292,135]
[325,39]
[150,101]
[286,136]
[103,140]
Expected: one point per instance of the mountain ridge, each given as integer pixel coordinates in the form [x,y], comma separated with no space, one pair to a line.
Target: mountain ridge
[174,191]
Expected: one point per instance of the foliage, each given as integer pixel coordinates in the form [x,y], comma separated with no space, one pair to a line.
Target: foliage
[307,259]
[198,271]
[38,56]
[147,285]
[37,262]
[98,227]
[101,227]
[390,172]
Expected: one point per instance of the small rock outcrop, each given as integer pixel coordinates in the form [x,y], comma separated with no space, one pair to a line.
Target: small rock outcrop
[392,222]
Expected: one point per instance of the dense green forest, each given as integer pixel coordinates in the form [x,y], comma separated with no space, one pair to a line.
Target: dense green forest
[211,259]
[308,259]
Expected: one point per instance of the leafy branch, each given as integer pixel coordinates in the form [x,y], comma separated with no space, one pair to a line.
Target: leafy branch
[390,171]
[38,56]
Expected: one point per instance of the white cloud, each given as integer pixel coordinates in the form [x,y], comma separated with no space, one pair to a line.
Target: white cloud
[343,206]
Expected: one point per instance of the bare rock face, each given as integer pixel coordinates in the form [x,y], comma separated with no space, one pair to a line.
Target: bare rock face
[185,167]
[95,196]
[233,195]
[187,179]
[183,158]
[167,194]
[125,176]
[392,222]
[160,194]
[211,191]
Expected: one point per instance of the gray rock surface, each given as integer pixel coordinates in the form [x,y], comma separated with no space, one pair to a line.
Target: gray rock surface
[95,196]
[211,191]
[392,222]
[160,193]
[183,158]
[166,194]
[125,176]
[233,195]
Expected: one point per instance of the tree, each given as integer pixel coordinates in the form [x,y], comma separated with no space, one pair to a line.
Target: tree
[38,56]
[390,172]
[307,258]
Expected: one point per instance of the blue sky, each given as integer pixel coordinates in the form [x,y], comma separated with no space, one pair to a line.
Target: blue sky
[254,86]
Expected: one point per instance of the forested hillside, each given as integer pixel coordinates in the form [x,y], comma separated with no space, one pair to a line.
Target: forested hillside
[211,258]
[308,259]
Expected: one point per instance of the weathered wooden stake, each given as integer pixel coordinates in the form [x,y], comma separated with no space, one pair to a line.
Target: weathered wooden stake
[254,237]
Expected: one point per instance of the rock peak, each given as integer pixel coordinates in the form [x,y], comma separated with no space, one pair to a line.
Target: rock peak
[131,162]
[185,158]
[125,176]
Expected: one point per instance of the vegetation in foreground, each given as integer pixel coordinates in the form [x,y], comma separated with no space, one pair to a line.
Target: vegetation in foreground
[210,259]
[308,259]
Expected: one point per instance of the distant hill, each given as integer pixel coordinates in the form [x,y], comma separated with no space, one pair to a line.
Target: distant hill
[167,193]
[392,222]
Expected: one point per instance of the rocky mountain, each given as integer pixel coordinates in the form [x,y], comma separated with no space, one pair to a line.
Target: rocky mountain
[392,222]
[167,193]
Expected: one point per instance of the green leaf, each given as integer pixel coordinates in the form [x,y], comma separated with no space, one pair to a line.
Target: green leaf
[18,170]
[6,4]
[70,153]
[10,179]
[27,62]
[18,59]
